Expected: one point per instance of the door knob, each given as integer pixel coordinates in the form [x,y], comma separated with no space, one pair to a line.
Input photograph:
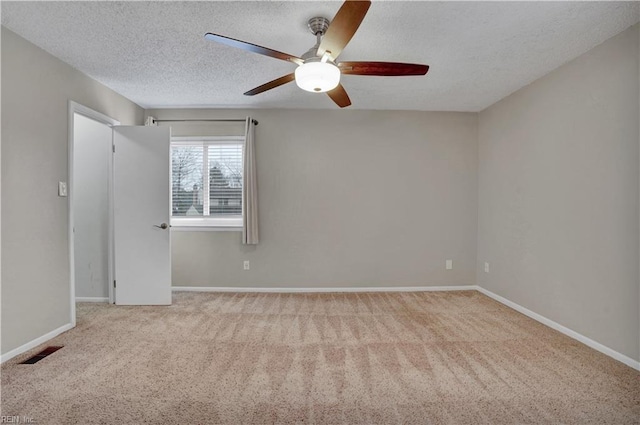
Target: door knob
[162,226]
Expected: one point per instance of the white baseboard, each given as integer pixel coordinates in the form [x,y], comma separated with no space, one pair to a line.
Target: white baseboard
[562,329]
[92,299]
[325,289]
[34,343]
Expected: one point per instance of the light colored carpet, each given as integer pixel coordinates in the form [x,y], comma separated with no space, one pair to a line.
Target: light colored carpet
[378,358]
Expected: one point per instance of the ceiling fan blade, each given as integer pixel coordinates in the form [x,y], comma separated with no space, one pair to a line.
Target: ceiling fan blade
[388,69]
[250,47]
[271,85]
[339,96]
[343,27]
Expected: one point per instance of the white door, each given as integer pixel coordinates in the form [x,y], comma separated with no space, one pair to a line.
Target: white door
[141,215]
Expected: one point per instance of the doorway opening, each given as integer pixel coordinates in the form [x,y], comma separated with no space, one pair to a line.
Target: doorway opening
[90,206]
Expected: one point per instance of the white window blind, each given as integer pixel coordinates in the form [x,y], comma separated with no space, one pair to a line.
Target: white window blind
[206,187]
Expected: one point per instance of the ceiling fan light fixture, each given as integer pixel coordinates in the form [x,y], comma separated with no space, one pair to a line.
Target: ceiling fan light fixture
[317,76]
[317,71]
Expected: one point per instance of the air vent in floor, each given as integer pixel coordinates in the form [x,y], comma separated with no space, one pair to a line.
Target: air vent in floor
[42,354]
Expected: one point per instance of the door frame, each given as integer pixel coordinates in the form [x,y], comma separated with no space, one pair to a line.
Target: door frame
[76,108]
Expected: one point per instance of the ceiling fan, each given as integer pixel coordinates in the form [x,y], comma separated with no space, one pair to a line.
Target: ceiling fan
[318,71]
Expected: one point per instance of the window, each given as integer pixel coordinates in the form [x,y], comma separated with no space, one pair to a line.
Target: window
[206,181]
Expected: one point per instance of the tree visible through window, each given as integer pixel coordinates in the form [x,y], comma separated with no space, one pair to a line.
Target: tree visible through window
[206,178]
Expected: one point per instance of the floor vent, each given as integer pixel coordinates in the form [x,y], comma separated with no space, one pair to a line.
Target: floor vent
[42,354]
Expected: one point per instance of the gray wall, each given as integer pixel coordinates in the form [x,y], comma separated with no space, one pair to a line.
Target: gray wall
[35,258]
[558,195]
[348,198]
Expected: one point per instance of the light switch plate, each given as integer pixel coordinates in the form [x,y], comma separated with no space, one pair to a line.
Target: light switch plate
[449,264]
[486,267]
[62,189]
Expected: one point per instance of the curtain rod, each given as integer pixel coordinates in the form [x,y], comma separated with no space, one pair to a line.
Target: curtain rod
[255,122]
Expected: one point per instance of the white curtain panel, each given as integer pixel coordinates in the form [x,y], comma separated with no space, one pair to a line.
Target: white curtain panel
[250,187]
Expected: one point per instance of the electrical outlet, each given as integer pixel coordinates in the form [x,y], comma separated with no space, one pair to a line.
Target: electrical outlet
[246,265]
[449,264]
[486,267]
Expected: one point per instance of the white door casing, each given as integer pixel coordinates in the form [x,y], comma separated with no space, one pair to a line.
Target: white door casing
[141,186]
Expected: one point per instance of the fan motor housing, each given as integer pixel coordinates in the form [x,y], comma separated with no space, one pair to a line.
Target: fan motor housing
[317,26]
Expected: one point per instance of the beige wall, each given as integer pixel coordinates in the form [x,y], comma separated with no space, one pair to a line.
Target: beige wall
[35,259]
[558,195]
[348,198]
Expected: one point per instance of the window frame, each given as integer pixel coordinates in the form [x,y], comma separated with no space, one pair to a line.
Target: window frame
[205,223]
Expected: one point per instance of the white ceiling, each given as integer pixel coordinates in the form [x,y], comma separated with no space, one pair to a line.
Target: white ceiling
[154,53]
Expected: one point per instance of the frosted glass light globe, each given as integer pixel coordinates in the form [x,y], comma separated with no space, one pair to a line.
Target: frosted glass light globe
[317,77]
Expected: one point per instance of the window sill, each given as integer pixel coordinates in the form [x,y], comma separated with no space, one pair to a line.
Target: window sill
[183,228]
[207,225]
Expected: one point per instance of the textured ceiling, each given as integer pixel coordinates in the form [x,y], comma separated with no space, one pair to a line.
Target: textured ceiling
[154,53]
